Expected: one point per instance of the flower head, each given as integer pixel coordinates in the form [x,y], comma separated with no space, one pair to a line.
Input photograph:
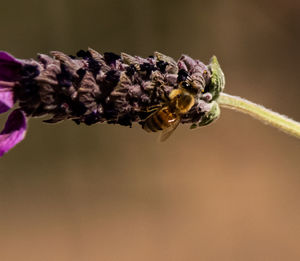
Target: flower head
[93,88]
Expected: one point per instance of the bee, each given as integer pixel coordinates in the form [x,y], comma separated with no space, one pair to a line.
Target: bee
[167,116]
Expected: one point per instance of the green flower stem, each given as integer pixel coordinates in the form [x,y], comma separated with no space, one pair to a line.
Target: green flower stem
[259,112]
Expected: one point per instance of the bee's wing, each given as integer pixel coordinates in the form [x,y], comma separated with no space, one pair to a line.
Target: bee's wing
[166,133]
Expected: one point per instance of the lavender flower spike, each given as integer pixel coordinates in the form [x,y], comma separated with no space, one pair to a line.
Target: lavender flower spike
[93,88]
[120,89]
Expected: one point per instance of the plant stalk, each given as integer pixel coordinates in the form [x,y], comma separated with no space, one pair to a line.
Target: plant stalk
[261,113]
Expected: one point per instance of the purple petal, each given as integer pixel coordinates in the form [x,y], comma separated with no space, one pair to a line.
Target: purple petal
[13,132]
[9,72]
[9,67]
[189,62]
[6,98]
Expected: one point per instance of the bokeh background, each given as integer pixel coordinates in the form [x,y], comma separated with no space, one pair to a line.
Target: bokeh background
[229,191]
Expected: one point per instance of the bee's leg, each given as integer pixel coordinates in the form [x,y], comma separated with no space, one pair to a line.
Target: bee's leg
[165,96]
[153,107]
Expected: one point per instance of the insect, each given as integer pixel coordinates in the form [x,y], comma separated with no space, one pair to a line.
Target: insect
[167,116]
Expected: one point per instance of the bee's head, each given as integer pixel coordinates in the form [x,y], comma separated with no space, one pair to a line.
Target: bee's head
[185,81]
[187,85]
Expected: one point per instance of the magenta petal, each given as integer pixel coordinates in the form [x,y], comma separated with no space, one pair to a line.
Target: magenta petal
[13,132]
[4,56]
[9,67]
[6,99]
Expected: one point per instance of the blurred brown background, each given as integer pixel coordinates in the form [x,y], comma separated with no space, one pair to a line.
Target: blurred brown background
[230,191]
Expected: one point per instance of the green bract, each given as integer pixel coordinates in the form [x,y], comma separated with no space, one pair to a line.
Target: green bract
[210,116]
[215,87]
[217,82]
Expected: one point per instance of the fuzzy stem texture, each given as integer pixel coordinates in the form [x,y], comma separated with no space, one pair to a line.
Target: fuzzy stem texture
[259,112]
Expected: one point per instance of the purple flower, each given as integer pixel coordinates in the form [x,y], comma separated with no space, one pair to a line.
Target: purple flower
[15,127]
[93,88]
